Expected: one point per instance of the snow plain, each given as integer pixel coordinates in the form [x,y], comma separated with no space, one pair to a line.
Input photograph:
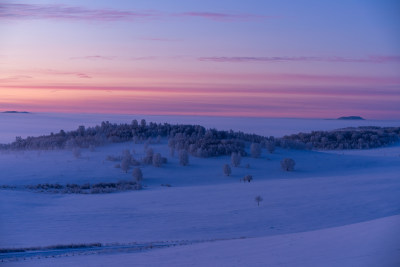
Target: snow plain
[335,209]
[366,244]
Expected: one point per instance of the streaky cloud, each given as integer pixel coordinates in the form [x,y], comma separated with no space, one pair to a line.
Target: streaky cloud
[14,11]
[333,59]
[94,57]
[72,73]
[15,78]
[159,39]
[222,16]
[40,11]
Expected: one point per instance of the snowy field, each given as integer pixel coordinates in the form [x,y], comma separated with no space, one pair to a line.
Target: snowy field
[338,208]
[366,244]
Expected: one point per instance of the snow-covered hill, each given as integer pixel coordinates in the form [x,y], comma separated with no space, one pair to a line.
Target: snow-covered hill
[327,212]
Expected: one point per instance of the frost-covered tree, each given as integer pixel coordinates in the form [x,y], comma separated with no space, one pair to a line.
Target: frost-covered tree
[227,170]
[255,150]
[148,159]
[137,175]
[183,157]
[125,163]
[258,199]
[135,124]
[126,160]
[143,123]
[157,160]
[287,164]
[270,146]
[126,155]
[235,159]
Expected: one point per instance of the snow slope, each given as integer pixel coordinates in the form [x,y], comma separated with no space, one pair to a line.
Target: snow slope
[326,206]
[367,244]
[203,203]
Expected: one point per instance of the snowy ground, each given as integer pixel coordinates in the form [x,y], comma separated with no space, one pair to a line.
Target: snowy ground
[335,209]
[366,244]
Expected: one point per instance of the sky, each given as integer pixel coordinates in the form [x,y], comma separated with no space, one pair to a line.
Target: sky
[255,58]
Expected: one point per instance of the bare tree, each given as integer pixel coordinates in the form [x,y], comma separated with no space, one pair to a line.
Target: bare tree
[227,170]
[137,175]
[157,160]
[287,164]
[258,199]
[183,157]
[255,150]
[235,159]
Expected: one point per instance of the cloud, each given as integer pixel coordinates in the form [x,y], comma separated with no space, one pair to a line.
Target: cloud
[36,11]
[143,58]
[77,74]
[222,16]
[15,78]
[12,11]
[94,57]
[156,39]
[369,59]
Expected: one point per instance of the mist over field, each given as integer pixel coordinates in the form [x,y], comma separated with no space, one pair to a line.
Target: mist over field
[90,195]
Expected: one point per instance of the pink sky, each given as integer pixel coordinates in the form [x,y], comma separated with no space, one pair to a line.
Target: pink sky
[201,59]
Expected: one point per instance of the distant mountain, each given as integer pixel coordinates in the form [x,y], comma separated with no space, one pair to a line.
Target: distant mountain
[14,112]
[351,118]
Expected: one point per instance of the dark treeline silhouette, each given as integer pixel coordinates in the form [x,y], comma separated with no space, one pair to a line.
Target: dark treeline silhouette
[193,138]
[201,142]
[348,138]
[99,188]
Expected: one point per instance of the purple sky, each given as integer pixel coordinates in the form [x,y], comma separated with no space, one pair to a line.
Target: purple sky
[237,58]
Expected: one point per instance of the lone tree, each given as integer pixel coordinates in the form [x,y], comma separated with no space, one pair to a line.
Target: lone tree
[137,175]
[157,160]
[287,164]
[227,170]
[255,150]
[258,199]
[183,157]
[235,159]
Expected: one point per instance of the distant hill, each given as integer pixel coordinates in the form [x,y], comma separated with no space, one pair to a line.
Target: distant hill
[351,118]
[14,112]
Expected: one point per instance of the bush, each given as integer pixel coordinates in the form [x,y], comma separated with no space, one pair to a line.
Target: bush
[287,164]
[227,170]
[137,174]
